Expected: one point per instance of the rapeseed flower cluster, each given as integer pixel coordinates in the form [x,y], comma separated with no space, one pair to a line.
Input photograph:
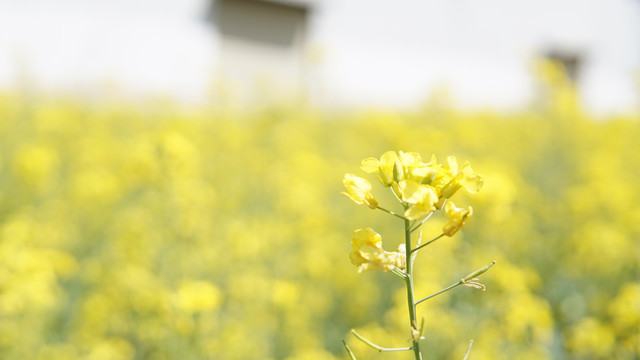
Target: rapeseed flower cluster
[423,186]
[421,189]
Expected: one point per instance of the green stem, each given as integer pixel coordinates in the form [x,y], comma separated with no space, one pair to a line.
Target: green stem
[392,213]
[396,195]
[440,292]
[375,346]
[422,222]
[461,282]
[399,273]
[346,347]
[427,243]
[466,355]
[409,282]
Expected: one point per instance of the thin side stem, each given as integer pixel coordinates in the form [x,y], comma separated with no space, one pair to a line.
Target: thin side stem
[413,252]
[461,282]
[422,222]
[399,273]
[466,355]
[440,292]
[346,347]
[396,195]
[375,346]
[392,213]
[427,243]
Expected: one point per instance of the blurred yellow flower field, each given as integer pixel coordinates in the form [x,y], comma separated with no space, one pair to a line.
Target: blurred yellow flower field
[162,232]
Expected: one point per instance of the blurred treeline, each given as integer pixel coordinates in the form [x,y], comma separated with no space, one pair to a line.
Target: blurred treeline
[159,232]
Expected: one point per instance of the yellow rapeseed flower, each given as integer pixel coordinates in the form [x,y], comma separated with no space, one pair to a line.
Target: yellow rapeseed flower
[420,198]
[383,167]
[422,187]
[464,177]
[368,253]
[413,166]
[359,190]
[394,167]
[417,170]
[457,218]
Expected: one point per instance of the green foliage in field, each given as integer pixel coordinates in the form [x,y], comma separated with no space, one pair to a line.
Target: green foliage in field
[163,233]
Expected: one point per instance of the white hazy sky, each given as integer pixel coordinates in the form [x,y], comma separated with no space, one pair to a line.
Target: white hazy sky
[158,45]
[376,52]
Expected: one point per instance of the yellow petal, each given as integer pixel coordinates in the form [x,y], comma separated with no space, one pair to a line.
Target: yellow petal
[370,165]
[389,158]
[471,181]
[416,212]
[387,163]
[457,218]
[415,193]
[422,201]
[453,165]
[359,190]
[366,237]
[409,191]
[410,159]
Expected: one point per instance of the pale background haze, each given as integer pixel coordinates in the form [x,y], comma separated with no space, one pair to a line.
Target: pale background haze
[353,53]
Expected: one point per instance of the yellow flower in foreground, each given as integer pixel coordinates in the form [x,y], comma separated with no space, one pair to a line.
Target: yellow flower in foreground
[359,190]
[393,168]
[415,169]
[368,253]
[383,167]
[465,178]
[457,218]
[421,199]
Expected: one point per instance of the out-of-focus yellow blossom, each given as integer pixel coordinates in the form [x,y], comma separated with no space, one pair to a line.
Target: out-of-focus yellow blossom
[285,293]
[195,296]
[368,253]
[112,348]
[457,218]
[35,164]
[567,176]
[57,352]
[592,338]
[420,198]
[95,186]
[312,354]
[359,190]
[625,308]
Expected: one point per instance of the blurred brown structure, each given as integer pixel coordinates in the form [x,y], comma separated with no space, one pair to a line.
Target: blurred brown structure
[262,43]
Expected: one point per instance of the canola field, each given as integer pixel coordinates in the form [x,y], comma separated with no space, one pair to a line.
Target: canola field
[163,232]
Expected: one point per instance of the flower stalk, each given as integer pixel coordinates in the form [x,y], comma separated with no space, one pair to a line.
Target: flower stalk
[346,347]
[466,354]
[375,346]
[392,213]
[427,243]
[466,280]
[409,285]
[422,222]
[421,189]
